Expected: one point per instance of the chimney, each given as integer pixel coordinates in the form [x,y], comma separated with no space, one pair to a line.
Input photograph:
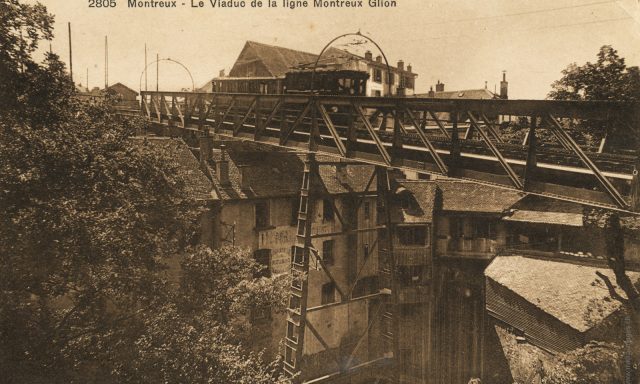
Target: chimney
[341,173]
[206,144]
[439,86]
[504,86]
[400,65]
[222,167]
[244,177]
[221,73]
[485,84]
[368,56]
[378,59]
[409,68]
[431,93]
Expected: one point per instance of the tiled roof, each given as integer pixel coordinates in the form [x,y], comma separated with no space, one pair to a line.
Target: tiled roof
[566,291]
[466,196]
[463,94]
[424,199]
[277,60]
[268,174]
[353,177]
[197,184]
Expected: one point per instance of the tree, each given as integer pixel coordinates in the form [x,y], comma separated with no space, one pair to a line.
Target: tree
[596,362]
[88,220]
[608,78]
[625,290]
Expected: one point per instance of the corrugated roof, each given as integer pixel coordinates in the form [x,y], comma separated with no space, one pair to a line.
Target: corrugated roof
[466,196]
[566,291]
[197,184]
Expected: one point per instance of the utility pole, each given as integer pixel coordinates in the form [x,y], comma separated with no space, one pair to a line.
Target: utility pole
[87,79]
[70,54]
[157,72]
[145,67]
[106,63]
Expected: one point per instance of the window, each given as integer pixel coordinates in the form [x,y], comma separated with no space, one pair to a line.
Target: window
[262,214]
[377,93]
[377,75]
[294,212]
[367,210]
[412,235]
[327,252]
[328,293]
[263,257]
[411,275]
[366,251]
[484,229]
[327,210]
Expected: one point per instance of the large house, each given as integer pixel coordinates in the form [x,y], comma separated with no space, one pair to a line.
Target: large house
[270,62]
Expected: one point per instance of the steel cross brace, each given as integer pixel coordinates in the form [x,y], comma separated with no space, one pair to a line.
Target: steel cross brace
[240,123]
[604,182]
[232,103]
[285,135]
[496,152]
[332,129]
[372,133]
[427,143]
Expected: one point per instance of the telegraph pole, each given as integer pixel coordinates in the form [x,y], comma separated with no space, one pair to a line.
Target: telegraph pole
[70,54]
[157,72]
[106,63]
[145,65]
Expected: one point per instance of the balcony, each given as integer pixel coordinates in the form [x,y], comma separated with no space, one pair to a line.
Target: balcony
[467,248]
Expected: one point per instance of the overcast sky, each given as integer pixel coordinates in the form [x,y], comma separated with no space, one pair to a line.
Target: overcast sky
[462,43]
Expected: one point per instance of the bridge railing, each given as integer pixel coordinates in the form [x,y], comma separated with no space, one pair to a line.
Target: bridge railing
[456,138]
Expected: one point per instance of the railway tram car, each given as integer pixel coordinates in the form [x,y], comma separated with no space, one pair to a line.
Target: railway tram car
[325,82]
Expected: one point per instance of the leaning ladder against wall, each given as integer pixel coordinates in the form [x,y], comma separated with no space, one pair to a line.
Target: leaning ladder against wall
[296,320]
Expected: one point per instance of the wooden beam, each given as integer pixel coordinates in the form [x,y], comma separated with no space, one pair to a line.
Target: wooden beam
[328,273]
[362,337]
[322,341]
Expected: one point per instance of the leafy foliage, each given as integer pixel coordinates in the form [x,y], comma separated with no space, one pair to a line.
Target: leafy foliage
[89,219]
[596,362]
[608,78]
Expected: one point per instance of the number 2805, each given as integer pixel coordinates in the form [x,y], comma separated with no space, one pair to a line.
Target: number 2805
[102,3]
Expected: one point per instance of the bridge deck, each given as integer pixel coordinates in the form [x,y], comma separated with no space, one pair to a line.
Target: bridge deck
[395,132]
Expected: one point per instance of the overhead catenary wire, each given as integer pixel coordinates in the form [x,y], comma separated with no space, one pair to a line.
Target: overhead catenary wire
[523,13]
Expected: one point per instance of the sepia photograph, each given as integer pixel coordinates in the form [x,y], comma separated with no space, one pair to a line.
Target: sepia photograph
[320,191]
